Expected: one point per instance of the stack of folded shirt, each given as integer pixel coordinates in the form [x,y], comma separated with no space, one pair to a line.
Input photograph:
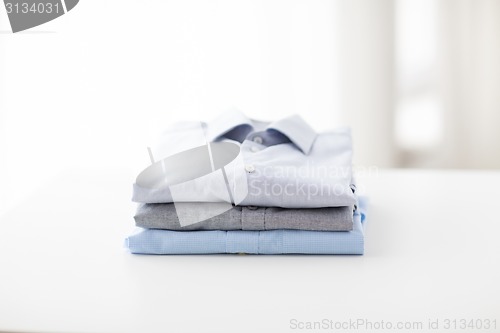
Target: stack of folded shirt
[289,190]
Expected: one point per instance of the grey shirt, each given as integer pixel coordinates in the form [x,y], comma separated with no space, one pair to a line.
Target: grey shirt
[164,216]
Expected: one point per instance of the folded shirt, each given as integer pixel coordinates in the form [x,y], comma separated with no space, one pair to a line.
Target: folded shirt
[284,164]
[164,216]
[155,241]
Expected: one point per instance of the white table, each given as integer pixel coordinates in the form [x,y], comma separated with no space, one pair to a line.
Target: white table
[432,252]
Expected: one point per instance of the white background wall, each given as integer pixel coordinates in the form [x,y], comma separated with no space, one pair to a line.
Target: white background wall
[88,88]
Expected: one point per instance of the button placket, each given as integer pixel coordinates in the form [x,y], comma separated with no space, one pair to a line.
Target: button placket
[264,218]
[252,218]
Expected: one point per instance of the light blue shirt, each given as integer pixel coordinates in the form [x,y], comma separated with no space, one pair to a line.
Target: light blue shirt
[287,164]
[155,241]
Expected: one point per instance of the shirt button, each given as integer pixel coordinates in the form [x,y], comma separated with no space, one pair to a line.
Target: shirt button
[254,149]
[258,140]
[249,168]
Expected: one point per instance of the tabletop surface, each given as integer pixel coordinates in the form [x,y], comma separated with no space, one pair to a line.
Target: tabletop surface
[432,256]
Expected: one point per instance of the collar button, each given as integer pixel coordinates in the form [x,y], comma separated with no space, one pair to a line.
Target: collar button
[258,139]
[249,168]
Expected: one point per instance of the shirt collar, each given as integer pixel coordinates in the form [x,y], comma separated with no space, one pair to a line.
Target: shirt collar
[226,122]
[297,130]
[293,127]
